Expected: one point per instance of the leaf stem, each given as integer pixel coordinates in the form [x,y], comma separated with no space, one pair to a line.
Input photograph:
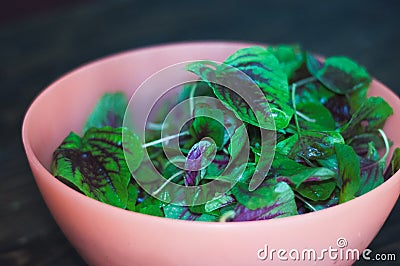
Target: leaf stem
[155,126]
[296,120]
[311,120]
[305,202]
[227,215]
[386,141]
[166,182]
[177,159]
[191,100]
[304,81]
[300,83]
[225,150]
[308,161]
[157,141]
[155,154]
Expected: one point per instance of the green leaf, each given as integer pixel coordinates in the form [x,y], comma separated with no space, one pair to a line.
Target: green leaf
[265,70]
[109,111]
[217,166]
[373,153]
[277,200]
[258,198]
[314,116]
[152,210]
[200,209]
[169,168]
[238,149]
[183,213]
[339,74]
[201,88]
[218,203]
[333,200]
[361,142]
[357,98]
[349,171]
[239,140]
[315,145]
[265,195]
[371,116]
[395,162]
[313,92]
[317,191]
[206,124]
[151,206]
[290,57]
[241,173]
[372,168]
[132,197]
[149,178]
[261,67]
[329,162]
[235,167]
[233,79]
[294,173]
[95,164]
[284,146]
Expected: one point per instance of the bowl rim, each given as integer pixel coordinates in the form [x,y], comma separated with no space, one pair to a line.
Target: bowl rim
[35,162]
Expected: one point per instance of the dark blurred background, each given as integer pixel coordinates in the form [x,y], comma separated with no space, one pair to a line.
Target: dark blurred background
[41,40]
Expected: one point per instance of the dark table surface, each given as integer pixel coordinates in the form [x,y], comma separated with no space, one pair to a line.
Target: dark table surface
[36,50]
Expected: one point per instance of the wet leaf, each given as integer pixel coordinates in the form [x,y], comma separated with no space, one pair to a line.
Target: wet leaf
[317,191]
[315,145]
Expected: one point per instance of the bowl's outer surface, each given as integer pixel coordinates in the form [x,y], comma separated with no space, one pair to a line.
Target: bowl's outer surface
[105,235]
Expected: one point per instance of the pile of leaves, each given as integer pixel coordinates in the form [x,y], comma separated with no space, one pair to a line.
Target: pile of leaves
[328,134]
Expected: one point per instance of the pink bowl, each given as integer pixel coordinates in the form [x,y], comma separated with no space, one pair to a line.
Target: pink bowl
[105,235]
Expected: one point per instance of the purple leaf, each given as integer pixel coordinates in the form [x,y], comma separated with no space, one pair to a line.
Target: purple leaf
[372,168]
[183,213]
[269,201]
[199,156]
[266,213]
